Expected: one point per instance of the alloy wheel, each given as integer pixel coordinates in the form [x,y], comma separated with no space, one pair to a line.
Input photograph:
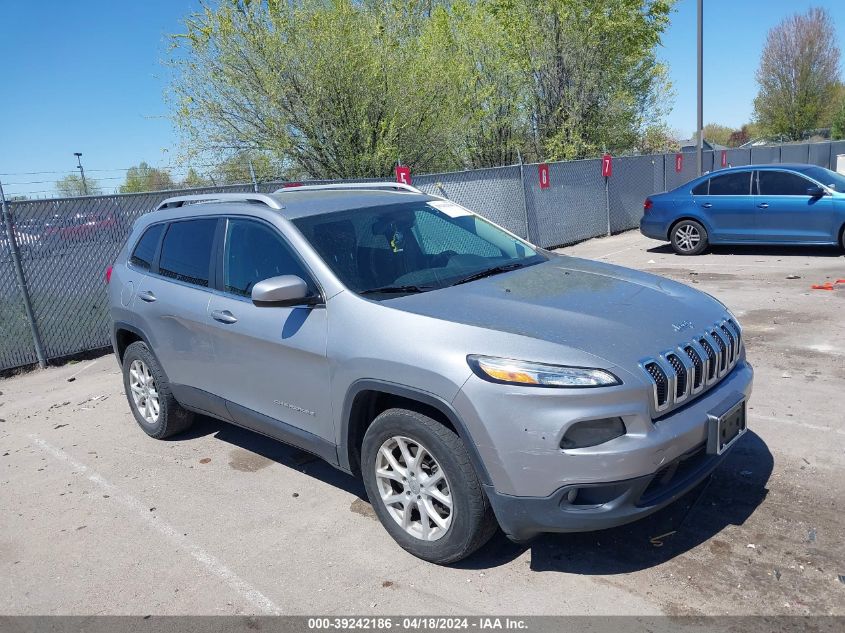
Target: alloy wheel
[414,488]
[687,237]
[144,391]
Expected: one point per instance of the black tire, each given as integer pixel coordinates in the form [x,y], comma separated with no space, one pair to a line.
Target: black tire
[683,235]
[472,521]
[172,418]
[842,238]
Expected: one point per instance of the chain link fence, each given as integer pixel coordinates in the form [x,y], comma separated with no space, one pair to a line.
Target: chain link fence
[65,245]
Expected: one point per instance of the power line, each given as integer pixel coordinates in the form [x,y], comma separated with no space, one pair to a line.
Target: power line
[66,171]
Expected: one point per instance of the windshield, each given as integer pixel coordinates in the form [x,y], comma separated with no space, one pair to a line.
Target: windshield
[412,247]
[825,176]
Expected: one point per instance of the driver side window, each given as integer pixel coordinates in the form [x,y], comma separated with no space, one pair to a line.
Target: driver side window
[254,252]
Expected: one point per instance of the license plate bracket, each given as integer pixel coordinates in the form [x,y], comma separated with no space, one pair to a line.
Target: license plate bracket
[725,429]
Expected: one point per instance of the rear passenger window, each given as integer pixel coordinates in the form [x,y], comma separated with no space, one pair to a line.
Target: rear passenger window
[701,188]
[738,184]
[186,251]
[145,250]
[782,183]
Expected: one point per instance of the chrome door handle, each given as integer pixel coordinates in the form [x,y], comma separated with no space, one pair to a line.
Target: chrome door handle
[707,205]
[146,295]
[763,205]
[224,316]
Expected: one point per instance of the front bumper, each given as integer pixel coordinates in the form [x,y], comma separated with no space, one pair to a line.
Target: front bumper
[602,506]
[518,431]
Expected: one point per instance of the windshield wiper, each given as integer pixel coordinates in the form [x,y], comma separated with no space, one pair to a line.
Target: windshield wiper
[396,290]
[503,268]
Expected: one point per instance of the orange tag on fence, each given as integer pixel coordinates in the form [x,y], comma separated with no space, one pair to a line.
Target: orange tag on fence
[827,286]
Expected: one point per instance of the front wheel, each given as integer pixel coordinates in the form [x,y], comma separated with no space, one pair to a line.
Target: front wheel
[423,487]
[689,238]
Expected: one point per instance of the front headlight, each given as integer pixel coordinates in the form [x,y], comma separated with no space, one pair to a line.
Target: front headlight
[518,372]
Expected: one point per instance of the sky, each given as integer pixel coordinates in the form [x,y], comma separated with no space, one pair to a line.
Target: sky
[86,76]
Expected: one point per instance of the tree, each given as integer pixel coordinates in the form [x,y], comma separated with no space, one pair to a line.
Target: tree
[71,186]
[716,133]
[837,128]
[339,88]
[194,179]
[235,169]
[798,73]
[346,88]
[142,177]
[658,139]
[739,137]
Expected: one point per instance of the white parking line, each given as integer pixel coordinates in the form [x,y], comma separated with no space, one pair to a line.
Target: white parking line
[212,564]
[804,425]
[88,366]
[621,250]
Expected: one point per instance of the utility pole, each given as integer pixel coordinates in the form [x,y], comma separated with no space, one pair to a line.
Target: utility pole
[81,171]
[252,175]
[700,128]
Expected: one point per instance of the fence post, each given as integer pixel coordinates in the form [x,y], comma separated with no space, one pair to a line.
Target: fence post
[607,202]
[21,278]
[524,196]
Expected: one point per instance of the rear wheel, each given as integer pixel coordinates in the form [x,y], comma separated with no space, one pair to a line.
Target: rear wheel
[153,405]
[689,238]
[423,487]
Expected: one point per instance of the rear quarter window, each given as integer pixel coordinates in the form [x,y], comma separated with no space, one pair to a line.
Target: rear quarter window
[701,188]
[145,249]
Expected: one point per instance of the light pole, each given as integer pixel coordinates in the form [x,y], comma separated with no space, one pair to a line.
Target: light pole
[81,171]
[700,129]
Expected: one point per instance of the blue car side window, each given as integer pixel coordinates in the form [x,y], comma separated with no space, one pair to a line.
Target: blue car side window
[782,183]
[701,188]
[736,184]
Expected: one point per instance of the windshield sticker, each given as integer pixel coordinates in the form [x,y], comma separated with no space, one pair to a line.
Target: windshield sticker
[449,208]
[397,242]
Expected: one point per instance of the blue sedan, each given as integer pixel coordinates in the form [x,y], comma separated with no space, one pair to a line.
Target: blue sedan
[760,204]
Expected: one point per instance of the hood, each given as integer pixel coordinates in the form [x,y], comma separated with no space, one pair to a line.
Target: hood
[619,314]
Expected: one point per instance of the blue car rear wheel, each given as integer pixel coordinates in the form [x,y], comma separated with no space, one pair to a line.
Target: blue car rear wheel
[689,237]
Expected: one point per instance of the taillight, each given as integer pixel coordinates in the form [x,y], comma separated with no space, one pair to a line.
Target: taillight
[647,205]
[108,274]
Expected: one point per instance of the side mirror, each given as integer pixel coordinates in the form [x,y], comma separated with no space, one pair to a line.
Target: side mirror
[284,290]
[815,192]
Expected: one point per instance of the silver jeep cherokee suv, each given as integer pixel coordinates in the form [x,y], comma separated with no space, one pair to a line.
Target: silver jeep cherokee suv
[470,378]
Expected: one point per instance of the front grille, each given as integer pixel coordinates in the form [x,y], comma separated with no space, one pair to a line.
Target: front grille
[681,373]
[694,366]
[722,351]
[697,367]
[731,341]
[711,358]
[661,383]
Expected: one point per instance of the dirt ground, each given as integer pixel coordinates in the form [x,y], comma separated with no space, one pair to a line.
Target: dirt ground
[96,518]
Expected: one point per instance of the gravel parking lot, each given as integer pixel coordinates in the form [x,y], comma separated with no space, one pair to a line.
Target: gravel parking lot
[97,518]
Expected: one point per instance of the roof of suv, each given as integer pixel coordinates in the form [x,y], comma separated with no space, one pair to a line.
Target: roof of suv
[291,204]
[299,204]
